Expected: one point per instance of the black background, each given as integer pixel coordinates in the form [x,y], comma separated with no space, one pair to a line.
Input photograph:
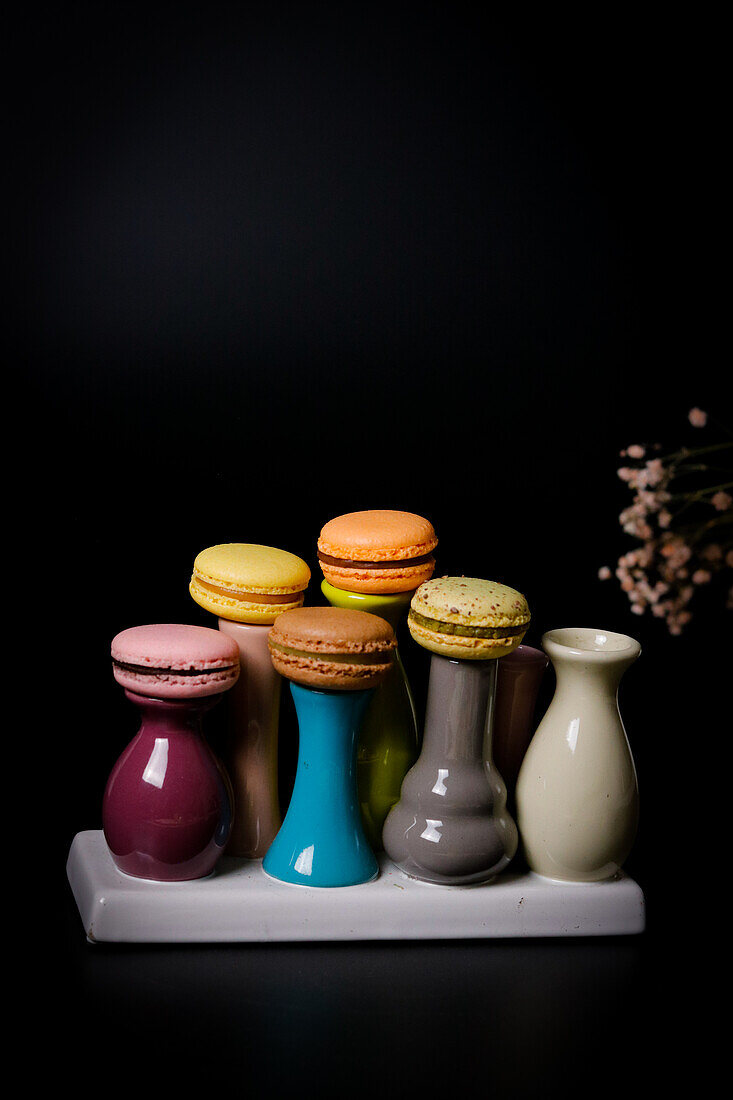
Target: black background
[278,262]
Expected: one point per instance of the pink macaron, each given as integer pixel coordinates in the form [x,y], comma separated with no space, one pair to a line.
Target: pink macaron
[175,661]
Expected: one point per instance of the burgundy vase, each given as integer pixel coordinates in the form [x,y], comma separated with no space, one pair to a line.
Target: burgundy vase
[167,808]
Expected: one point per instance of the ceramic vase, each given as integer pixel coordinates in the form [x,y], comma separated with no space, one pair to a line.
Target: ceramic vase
[388,741]
[451,826]
[577,793]
[167,807]
[518,681]
[321,841]
[251,750]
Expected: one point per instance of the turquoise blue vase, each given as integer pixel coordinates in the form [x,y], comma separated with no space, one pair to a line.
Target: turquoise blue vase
[321,841]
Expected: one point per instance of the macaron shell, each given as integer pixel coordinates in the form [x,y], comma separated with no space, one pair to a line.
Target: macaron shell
[333,630]
[240,572]
[463,648]
[377,535]
[393,579]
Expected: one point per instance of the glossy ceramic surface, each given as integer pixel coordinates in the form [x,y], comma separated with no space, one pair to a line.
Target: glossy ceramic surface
[389,740]
[322,840]
[577,793]
[166,811]
[251,750]
[451,825]
[518,682]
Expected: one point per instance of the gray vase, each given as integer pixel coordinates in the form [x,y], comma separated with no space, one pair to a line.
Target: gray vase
[451,826]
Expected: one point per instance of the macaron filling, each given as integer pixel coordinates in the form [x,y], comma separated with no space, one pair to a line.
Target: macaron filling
[249,597]
[373,658]
[392,563]
[153,670]
[465,630]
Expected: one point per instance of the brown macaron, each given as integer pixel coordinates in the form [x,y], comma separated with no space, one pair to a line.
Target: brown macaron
[331,647]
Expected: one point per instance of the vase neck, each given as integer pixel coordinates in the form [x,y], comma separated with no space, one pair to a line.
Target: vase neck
[460,708]
[392,607]
[598,657]
[328,721]
[604,677]
[167,717]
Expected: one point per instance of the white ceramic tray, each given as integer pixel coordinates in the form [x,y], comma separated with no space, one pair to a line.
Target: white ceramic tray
[240,903]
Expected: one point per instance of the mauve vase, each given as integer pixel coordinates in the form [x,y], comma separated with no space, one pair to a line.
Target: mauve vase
[518,681]
[166,811]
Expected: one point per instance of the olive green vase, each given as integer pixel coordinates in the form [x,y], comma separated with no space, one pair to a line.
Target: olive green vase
[389,739]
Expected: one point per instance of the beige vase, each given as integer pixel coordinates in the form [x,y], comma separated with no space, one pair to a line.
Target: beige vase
[577,795]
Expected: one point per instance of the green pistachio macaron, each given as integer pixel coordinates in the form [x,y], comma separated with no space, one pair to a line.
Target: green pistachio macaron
[468,618]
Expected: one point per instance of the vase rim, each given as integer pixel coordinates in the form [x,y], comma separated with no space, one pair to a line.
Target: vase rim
[590,644]
[523,655]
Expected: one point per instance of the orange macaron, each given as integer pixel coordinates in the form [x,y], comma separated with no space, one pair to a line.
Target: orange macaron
[377,551]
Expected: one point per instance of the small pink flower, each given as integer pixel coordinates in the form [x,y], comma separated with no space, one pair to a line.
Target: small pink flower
[676,552]
[626,473]
[713,552]
[604,573]
[654,471]
[721,501]
[635,451]
[700,576]
[651,501]
[697,418]
[664,518]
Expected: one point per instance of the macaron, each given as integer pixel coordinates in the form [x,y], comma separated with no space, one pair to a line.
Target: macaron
[332,647]
[248,583]
[377,551]
[468,618]
[174,661]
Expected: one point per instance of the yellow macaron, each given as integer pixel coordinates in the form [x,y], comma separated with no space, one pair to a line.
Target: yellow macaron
[468,618]
[248,583]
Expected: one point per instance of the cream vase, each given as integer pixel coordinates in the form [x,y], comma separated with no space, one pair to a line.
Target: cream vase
[577,795]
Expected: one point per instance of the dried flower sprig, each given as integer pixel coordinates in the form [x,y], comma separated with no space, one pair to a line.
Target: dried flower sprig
[682,514]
